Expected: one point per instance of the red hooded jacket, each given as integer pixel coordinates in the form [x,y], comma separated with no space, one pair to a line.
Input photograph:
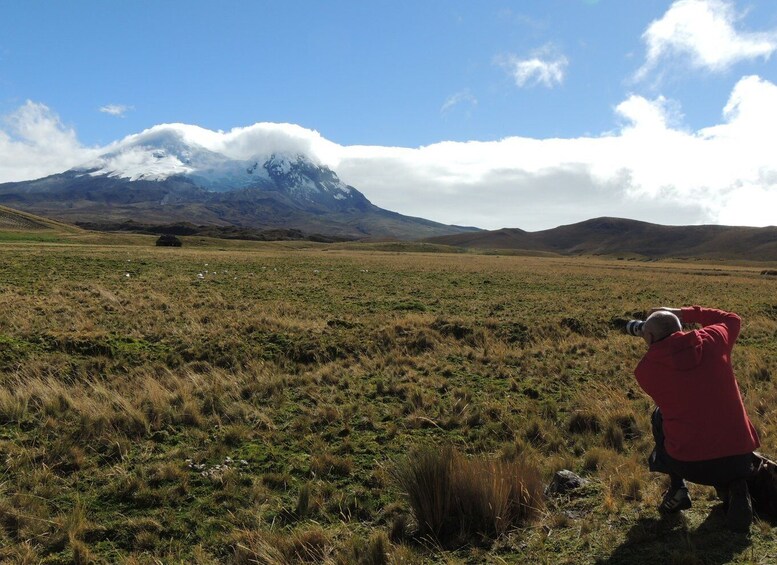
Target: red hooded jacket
[689,376]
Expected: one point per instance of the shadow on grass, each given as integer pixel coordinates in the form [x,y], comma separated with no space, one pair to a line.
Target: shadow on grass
[668,540]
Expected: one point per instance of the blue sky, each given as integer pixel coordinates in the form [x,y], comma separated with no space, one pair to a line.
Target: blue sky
[416,76]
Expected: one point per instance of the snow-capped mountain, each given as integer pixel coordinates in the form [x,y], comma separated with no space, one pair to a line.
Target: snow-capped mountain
[179,173]
[165,152]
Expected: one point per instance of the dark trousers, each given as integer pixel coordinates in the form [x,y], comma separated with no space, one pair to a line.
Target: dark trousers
[713,472]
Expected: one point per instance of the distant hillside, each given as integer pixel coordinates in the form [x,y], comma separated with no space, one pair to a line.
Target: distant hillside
[16,220]
[507,238]
[617,236]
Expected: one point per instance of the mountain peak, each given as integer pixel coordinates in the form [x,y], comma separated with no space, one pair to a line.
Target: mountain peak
[267,176]
[174,152]
[284,163]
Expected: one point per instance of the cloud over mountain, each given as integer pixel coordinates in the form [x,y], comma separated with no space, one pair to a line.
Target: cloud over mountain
[649,168]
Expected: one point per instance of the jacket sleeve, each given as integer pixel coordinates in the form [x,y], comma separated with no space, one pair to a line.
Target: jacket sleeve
[721,324]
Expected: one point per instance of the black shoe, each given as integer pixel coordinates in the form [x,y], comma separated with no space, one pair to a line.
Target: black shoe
[675,499]
[740,507]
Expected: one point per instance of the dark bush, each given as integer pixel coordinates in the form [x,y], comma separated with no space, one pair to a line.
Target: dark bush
[168,240]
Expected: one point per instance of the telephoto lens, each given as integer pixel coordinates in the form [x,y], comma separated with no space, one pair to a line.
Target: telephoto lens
[635,327]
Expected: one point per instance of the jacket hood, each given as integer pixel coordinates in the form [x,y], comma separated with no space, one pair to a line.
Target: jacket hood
[681,350]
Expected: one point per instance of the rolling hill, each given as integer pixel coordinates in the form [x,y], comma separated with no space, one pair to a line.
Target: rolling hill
[618,236]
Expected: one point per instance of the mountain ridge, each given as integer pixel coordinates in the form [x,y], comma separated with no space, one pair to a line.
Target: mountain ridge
[620,236]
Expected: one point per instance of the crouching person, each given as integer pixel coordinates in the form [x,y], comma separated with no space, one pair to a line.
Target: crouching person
[702,432]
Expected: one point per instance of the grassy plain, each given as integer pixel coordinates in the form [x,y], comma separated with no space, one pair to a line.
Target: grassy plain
[244,403]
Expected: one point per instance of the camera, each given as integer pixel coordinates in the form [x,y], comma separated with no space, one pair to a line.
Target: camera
[635,327]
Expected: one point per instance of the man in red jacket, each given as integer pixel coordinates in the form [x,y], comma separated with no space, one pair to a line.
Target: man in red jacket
[700,425]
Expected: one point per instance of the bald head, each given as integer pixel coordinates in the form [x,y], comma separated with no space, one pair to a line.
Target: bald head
[659,325]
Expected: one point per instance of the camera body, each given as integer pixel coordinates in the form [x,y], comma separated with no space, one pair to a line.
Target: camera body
[635,327]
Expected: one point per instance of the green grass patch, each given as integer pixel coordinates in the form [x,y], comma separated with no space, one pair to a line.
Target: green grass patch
[31,236]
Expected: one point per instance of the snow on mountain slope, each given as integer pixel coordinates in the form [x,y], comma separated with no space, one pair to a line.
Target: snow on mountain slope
[159,153]
[188,151]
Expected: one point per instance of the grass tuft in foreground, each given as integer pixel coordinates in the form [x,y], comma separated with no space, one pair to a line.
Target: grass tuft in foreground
[456,499]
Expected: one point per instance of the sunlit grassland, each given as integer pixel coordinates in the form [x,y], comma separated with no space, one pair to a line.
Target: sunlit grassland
[249,402]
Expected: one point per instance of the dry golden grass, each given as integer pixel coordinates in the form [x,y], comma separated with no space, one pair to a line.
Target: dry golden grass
[456,499]
[255,412]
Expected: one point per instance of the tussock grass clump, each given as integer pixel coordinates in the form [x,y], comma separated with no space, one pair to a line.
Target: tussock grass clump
[303,506]
[327,464]
[628,424]
[628,480]
[455,498]
[13,406]
[312,545]
[375,551]
[542,435]
[583,421]
[595,458]
[613,436]
[23,554]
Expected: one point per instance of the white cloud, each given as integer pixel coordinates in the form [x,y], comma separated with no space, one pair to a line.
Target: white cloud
[702,33]
[544,67]
[118,110]
[34,143]
[464,97]
[648,168]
